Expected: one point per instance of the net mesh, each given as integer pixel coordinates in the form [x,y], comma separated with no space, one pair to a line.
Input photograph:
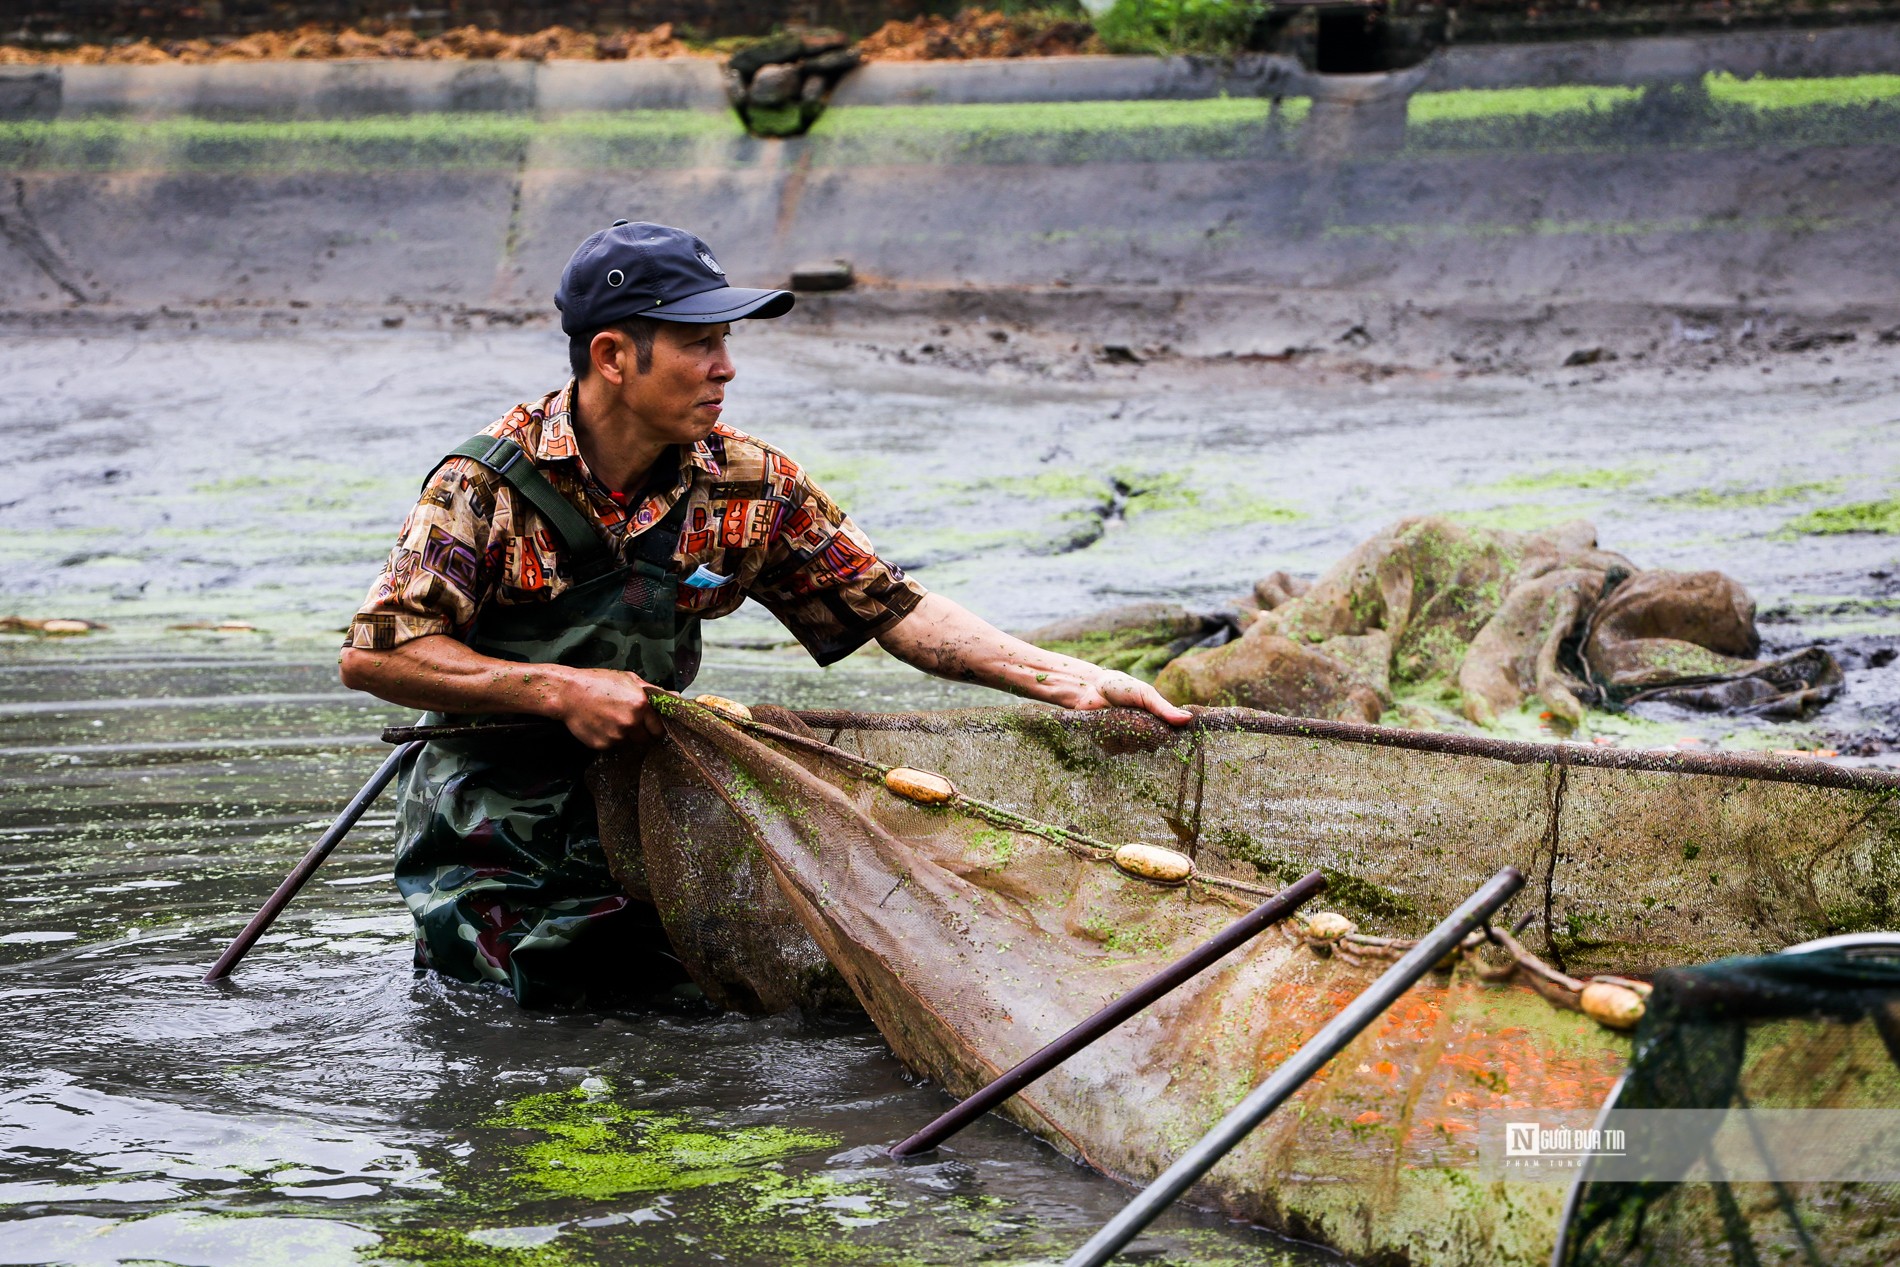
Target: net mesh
[1818,1030]
[972,942]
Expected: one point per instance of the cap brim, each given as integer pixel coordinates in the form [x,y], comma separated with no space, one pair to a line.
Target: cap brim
[727,303]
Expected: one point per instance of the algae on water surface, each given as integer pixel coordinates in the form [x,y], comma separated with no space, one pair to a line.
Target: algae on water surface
[594,1147]
[1877,516]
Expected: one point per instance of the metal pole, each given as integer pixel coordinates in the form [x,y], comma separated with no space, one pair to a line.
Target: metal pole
[519,728]
[1242,930]
[311,861]
[1291,1076]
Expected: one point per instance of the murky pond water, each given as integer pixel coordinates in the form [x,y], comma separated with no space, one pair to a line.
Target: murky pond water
[331,1106]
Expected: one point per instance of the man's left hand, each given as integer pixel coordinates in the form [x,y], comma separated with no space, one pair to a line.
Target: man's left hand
[1124,690]
[942,637]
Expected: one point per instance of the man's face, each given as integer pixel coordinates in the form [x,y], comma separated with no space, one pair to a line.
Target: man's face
[680,397]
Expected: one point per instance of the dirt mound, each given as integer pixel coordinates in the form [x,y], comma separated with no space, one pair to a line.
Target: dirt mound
[467,43]
[977,33]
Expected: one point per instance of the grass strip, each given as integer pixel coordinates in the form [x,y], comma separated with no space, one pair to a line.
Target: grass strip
[1057,132]
[383,142]
[1761,93]
[1465,104]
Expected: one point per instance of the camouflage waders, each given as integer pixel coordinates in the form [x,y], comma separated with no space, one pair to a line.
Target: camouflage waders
[498,852]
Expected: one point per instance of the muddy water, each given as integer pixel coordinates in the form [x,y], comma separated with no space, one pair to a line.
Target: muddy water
[330,1106]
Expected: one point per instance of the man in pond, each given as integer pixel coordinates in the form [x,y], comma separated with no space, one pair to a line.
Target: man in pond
[559,565]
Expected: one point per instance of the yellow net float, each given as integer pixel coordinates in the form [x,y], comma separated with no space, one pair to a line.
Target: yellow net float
[1612,1003]
[1328,925]
[731,708]
[1155,864]
[920,786]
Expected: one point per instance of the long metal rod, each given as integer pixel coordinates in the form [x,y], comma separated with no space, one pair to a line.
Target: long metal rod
[1291,1076]
[301,874]
[518,728]
[1242,930]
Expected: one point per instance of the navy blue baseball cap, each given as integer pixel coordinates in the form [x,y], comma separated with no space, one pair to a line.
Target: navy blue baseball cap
[655,271]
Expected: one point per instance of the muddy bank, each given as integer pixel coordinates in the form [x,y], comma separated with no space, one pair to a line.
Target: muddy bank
[1023,470]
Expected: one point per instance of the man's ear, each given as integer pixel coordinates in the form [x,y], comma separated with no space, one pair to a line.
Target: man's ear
[606,351]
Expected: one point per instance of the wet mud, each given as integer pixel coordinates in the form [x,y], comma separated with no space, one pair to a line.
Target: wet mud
[329,1106]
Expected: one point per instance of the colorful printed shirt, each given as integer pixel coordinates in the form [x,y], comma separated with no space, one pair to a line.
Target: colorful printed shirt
[754,519]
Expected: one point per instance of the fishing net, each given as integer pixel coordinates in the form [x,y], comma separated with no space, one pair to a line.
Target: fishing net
[1429,608]
[1814,1030]
[975,932]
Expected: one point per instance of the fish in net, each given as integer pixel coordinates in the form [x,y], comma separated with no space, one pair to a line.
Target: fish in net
[975,931]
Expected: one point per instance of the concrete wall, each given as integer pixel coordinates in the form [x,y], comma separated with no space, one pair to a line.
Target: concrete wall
[352,89]
[1341,204]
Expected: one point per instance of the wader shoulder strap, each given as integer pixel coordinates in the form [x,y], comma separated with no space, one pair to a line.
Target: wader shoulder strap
[505,458]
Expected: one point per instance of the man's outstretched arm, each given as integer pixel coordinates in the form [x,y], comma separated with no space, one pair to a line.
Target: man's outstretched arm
[942,637]
[601,707]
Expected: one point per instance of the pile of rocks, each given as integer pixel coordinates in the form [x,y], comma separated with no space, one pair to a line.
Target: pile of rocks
[779,86]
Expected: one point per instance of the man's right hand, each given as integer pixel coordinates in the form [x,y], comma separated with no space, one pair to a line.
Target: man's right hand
[604,708]
[600,707]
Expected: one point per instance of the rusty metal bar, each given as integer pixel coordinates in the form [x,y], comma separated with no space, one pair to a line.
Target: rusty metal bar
[1182,970]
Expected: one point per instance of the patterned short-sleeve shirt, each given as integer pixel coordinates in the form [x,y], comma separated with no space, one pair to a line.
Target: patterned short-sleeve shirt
[756,527]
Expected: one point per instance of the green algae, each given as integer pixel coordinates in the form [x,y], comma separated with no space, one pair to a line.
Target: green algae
[1118,938]
[1523,516]
[461,141]
[1433,701]
[1596,479]
[1058,485]
[1143,650]
[1041,117]
[1348,892]
[1541,227]
[1166,28]
[1854,110]
[447,1247]
[1139,489]
[1171,501]
[564,1152]
[1222,510]
[1762,93]
[1876,516]
[997,847]
[1745,498]
[595,1148]
[1055,132]
[1514,103]
[1719,111]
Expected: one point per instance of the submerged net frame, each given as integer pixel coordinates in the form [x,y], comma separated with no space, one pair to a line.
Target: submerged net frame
[1814,1030]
